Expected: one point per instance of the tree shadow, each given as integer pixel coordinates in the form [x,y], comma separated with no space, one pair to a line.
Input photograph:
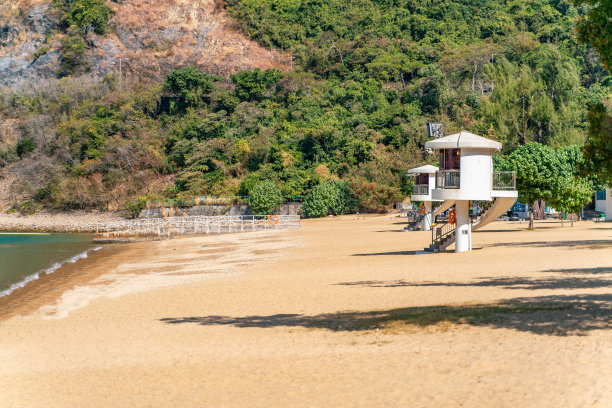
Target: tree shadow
[521,283]
[590,244]
[392,253]
[497,230]
[551,315]
[505,283]
[582,271]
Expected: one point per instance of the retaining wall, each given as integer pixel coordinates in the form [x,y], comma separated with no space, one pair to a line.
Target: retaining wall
[212,210]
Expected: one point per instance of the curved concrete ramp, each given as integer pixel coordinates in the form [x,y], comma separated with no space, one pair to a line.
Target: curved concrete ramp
[499,208]
[443,207]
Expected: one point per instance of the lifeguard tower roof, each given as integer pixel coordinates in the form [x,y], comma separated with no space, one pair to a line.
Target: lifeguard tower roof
[428,169]
[461,140]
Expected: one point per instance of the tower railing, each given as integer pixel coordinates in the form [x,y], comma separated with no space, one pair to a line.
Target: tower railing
[448,179]
[420,189]
[504,180]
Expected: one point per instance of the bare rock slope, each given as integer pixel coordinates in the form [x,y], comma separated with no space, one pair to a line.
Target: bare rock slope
[152,37]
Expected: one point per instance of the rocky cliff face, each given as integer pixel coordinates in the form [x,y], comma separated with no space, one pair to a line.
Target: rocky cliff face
[152,37]
[23,31]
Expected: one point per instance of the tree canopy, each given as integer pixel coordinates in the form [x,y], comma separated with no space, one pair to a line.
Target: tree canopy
[543,173]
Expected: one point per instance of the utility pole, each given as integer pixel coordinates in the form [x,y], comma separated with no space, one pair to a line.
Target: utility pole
[120,70]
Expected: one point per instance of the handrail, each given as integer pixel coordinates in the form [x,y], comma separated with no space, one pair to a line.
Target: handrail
[196,224]
[504,180]
[440,231]
[448,179]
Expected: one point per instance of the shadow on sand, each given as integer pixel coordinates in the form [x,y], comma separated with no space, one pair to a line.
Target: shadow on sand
[550,315]
[576,282]
[588,244]
[391,253]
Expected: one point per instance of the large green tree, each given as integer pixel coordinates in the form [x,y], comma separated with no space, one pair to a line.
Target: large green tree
[188,85]
[265,198]
[574,190]
[598,147]
[595,27]
[536,101]
[537,174]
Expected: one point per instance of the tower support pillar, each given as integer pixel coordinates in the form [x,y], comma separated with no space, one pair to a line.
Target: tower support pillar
[463,232]
[426,223]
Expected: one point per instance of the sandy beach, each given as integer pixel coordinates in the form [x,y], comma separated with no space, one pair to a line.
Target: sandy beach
[340,313]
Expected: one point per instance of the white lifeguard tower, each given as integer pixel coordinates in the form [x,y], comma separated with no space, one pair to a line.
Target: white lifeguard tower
[466,175]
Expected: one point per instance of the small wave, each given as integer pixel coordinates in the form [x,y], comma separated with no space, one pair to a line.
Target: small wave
[47,271]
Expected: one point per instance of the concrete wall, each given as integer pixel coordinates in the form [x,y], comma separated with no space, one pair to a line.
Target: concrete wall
[600,205]
[236,209]
[476,172]
[608,204]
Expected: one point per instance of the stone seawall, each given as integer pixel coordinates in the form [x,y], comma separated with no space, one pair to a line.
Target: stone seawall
[211,210]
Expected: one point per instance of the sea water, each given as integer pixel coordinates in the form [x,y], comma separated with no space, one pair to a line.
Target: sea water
[24,257]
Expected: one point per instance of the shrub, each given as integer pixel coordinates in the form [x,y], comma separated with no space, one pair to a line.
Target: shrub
[85,14]
[135,207]
[265,198]
[374,197]
[248,183]
[40,52]
[28,208]
[72,53]
[332,197]
[25,146]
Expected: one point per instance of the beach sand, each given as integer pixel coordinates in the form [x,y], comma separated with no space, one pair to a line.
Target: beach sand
[340,313]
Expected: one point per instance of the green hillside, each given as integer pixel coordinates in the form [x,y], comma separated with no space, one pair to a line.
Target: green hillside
[367,76]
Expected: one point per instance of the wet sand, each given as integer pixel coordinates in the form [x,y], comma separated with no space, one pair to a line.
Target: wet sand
[338,313]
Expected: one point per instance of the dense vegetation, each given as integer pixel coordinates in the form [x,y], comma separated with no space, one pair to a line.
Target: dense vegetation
[368,75]
[77,18]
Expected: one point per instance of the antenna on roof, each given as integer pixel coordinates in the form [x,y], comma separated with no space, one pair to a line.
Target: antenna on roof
[435,130]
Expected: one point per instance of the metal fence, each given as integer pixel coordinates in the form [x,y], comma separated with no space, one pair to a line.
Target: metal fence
[448,179]
[504,180]
[176,226]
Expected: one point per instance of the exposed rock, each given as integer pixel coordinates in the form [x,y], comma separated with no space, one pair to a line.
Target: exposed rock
[155,37]
[38,21]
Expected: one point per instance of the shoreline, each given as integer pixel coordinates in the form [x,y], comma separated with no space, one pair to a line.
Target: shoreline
[47,287]
[118,266]
[11,287]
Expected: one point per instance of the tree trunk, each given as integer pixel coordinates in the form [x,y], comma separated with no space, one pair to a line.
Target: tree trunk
[530,217]
[561,216]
